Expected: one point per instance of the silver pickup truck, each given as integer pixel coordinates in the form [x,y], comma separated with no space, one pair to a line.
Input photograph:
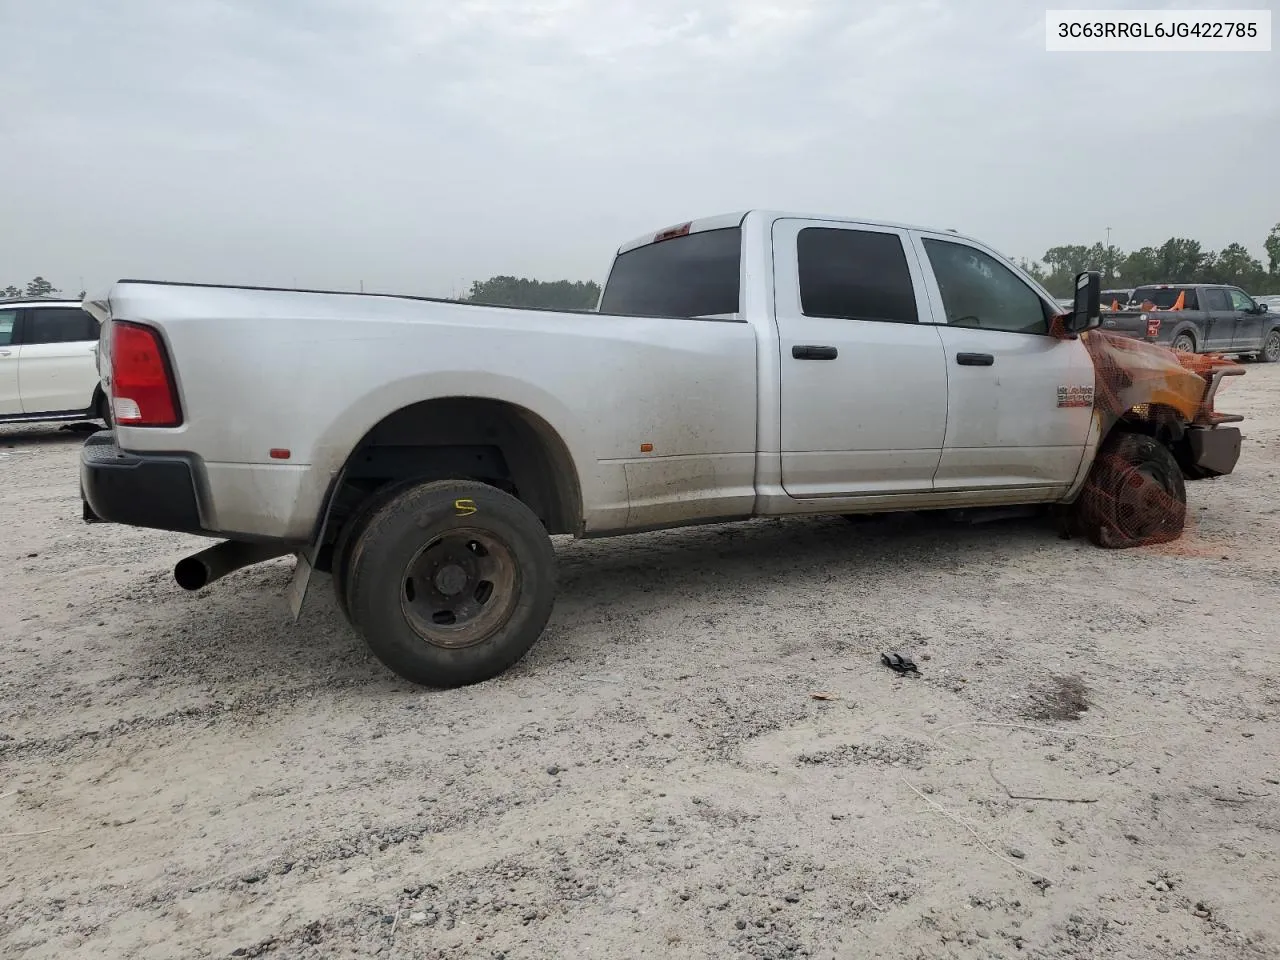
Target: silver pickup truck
[759,364]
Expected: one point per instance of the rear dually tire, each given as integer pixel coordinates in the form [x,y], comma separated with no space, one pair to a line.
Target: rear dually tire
[451,582]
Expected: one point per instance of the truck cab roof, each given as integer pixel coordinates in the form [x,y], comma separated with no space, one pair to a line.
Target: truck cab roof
[737,218]
[1179,286]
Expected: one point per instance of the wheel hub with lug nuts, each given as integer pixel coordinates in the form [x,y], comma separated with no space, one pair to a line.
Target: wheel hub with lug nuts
[460,588]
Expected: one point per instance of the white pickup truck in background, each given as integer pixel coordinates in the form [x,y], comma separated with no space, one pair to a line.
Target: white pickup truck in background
[758,364]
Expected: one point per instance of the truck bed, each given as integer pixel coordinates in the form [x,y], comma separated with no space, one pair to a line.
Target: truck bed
[262,369]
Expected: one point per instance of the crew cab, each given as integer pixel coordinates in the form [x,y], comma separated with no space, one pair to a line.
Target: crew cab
[1200,318]
[756,364]
[48,362]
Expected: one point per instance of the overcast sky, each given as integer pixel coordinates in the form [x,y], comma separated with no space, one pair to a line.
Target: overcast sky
[418,145]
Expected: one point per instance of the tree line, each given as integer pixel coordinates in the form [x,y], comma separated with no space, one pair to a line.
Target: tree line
[507,291]
[1177,260]
[36,287]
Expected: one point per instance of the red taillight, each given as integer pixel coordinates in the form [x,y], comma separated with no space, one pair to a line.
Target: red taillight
[142,388]
[1153,326]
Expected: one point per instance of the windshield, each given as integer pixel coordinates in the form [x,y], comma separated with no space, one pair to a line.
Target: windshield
[1163,297]
[696,275]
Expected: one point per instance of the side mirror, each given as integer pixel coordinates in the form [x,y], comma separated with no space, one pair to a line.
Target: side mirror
[1263,308]
[1086,312]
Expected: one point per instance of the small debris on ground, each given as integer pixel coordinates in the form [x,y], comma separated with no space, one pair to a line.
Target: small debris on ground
[899,663]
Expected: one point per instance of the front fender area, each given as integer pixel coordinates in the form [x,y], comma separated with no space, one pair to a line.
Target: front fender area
[1133,375]
[1145,388]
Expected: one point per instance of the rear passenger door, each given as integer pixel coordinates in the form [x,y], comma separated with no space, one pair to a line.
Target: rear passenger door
[1220,320]
[10,399]
[1020,402]
[863,383]
[57,372]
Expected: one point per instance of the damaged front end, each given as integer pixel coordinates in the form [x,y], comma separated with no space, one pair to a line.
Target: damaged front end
[1167,395]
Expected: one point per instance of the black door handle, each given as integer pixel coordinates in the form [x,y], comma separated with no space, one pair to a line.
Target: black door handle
[975,359]
[808,351]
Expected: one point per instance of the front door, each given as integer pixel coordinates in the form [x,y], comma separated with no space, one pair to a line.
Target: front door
[10,399]
[1249,320]
[863,384]
[58,372]
[1220,322]
[1020,403]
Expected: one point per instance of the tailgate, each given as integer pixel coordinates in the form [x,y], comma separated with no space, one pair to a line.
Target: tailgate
[1127,323]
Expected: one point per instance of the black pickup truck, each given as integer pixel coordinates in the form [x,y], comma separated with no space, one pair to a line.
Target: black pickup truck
[1199,318]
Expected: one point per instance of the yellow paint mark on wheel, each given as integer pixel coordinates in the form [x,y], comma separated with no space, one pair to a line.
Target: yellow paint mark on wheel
[465,507]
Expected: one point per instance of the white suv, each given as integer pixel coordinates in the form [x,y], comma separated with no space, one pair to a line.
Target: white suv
[48,362]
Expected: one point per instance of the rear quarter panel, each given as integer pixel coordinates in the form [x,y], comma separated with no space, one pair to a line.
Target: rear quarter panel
[313,372]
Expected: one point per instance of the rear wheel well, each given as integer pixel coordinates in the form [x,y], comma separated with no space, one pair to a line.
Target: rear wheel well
[461,438]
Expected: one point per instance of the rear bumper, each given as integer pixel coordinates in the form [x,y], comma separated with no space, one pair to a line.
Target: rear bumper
[156,491]
[1214,451]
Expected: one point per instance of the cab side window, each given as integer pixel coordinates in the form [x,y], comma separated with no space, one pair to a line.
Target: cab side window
[854,275]
[980,292]
[8,320]
[60,325]
[1240,300]
[1216,299]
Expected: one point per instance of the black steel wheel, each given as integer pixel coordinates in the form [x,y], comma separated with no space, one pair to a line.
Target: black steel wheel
[460,587]
[451,582]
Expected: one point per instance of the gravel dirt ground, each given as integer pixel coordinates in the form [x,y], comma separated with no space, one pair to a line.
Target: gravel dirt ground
[1088,766]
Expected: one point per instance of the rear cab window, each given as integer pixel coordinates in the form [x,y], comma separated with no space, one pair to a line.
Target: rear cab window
[1165,298]
[695,275]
